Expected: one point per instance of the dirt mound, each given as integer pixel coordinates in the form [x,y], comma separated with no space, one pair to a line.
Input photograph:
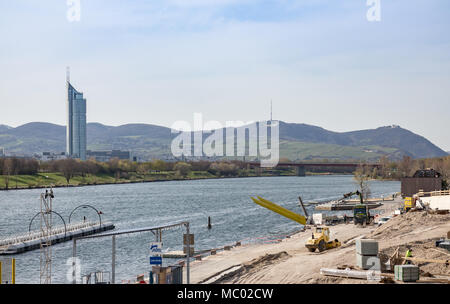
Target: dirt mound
[405,223]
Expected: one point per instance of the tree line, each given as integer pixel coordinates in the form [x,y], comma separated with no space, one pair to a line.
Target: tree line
[122,168]
[118,168]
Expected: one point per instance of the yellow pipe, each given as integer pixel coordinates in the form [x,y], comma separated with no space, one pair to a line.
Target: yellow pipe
[273,207]
[280,210]
[294,216]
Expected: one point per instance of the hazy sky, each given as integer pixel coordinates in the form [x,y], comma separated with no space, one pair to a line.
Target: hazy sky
[321,62]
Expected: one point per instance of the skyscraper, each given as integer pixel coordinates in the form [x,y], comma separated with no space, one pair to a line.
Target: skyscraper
[76,123]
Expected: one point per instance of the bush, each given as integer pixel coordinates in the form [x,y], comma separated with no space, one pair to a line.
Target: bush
[182,168]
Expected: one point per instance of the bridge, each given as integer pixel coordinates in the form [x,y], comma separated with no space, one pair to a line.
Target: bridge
[301,166]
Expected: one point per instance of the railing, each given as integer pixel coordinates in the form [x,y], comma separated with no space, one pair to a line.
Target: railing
[433,193]
[34,235]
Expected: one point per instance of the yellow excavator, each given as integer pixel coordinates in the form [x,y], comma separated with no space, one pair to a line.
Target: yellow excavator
[320,238]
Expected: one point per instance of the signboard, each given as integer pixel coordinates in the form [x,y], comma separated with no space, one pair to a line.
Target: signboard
[188,238]
[155,253]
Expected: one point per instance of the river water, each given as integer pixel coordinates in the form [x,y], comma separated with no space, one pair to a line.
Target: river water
[227,201]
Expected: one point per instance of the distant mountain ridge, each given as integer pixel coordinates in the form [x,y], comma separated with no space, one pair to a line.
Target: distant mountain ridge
[297,141]
[4,128]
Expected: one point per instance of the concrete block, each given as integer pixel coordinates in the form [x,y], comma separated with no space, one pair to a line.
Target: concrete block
[407,273]
[368,262]
[366,247]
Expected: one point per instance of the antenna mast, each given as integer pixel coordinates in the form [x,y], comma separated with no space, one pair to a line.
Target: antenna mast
[271,110]
[68,74]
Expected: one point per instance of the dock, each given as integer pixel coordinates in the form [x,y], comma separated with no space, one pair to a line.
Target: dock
[174,255]
[332,206]
[32,240]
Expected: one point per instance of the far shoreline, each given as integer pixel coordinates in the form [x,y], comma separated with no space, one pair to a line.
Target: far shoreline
[157,180]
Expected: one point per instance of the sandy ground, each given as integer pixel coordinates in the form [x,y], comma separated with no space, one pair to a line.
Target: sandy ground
[290,262]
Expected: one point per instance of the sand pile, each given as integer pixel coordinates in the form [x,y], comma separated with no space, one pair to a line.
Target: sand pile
[409,223]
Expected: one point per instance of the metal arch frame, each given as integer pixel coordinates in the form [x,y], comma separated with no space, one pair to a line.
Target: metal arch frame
[85,206]
[65,226]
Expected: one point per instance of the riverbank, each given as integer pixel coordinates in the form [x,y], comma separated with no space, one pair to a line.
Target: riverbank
[289,262]
[57,180]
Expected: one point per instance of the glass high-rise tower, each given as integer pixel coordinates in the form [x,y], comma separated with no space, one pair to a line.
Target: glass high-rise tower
[76,123]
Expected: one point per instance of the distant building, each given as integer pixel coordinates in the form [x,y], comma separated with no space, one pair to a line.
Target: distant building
[104,156]
[2,152]
[48,156]
[76,123]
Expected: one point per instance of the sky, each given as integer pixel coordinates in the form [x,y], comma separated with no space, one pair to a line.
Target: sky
[321,62]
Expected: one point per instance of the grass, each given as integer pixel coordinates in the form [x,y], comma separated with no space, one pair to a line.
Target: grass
[304,151]
[54,179]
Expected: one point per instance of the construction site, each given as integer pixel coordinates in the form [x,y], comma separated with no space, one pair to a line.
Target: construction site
[407,241]
[400,239]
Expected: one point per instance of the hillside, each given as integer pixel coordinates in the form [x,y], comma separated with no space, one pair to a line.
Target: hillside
[4,128]
[297,141]
[388,137]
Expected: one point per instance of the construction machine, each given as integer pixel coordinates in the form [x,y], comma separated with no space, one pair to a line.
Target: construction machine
[361,214]
[320,238]
[410,202]
[348,195]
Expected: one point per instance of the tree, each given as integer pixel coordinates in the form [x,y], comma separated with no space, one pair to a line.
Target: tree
[143,168]
[362,177]
[7,170]
[223,169]
[68,167]
[201,165]
[384,170]
[183,168]
[405,166]
[159,165]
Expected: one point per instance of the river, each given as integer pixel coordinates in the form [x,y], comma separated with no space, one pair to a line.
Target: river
[227,201]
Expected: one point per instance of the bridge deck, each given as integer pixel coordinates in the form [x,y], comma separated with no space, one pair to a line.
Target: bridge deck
[31,240]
